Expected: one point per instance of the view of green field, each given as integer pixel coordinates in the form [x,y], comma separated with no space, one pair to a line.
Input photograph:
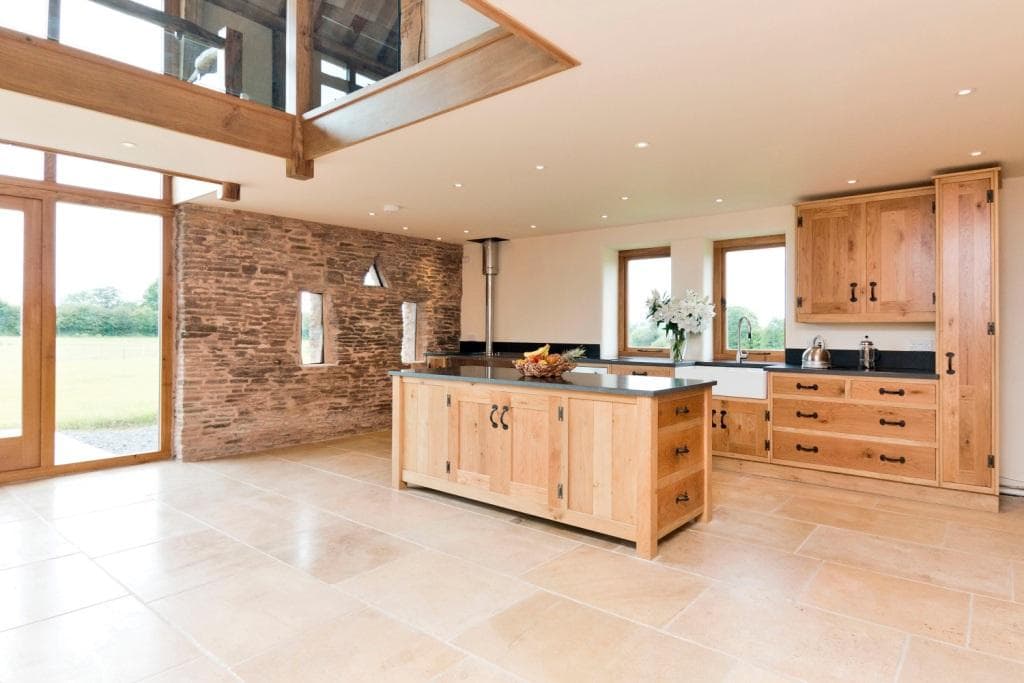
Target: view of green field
[102,382]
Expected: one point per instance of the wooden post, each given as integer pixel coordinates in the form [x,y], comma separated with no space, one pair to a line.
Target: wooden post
[229,192]
[53,21]
[411,35]
[705,517]
[647,478]
[172,46]
[396,433]
[298,91]
[233,84]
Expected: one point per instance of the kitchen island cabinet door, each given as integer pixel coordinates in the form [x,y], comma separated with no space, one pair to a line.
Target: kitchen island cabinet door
[536,431]
[830,263]
[481,448]
[424,446]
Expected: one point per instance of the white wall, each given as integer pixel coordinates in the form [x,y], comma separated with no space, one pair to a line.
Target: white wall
[563,288]
[446,23]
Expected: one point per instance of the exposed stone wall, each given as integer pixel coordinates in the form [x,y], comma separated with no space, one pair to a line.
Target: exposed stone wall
[239,384]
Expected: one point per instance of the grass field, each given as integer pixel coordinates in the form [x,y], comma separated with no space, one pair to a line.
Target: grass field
[101,381]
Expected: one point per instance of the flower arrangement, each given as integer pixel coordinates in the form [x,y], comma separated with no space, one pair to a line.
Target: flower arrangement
[680,317]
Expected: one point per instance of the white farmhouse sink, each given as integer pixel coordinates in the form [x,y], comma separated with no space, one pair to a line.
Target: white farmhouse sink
[737,381]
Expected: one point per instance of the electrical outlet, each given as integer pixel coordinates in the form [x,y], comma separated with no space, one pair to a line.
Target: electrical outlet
[922,345]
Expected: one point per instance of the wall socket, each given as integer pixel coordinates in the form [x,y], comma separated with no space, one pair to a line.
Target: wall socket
[922,345]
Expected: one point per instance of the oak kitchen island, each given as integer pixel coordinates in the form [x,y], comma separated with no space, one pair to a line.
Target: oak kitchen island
[622,455]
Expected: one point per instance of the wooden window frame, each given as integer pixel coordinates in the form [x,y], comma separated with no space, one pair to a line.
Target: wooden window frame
[624,258]
[721,337]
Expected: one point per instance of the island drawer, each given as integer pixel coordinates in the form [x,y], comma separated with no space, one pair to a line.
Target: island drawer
[889,459]
[644,370]
[680,500]
[894,391]
[686,407]
[897,422]
[680,449]
[809,384]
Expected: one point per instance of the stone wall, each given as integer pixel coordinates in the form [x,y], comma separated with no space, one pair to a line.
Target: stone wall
[239,383]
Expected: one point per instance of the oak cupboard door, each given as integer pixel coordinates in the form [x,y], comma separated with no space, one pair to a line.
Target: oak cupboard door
[739,428]
[535,430]
[425,446]
[601,459]
[900,258]
[966,355]
[481,447]
[830,261]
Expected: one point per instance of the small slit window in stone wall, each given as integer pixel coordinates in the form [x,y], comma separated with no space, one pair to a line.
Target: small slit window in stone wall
[373,278]
[410,334]
[311,327]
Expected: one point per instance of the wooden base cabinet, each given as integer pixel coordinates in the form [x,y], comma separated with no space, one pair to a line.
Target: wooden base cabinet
[740,428]
[967,343]
[632,467]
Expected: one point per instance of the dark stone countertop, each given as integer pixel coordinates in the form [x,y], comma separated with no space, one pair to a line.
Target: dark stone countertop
[855,372]
[610,360]
[628,385]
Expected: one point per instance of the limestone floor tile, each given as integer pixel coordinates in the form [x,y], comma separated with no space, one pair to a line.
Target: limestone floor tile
[878,523]
[77,494]
[394,511]
[940,566]
[547,638]
[338,551]
[977,540]
[475,670]
[363,646]
[911,606]
[503,547]
[355,465]
[108,531]
[12,509]
[239,616]
[929,661]
[790,638]
[40,590]
[755,527]
[200,670]
[30,540]
[737,562]
[187,498]
[744,672]
[591,538]
[1018,582]
[257,519]
[463,503]
[119,640]
[766,486]
[436,593]
[737,496]
[1007,519]
[270,473]
[635,589]
[997,627]
[176,564]
[320,489]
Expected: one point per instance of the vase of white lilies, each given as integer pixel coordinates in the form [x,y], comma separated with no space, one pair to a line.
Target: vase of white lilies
[680,317]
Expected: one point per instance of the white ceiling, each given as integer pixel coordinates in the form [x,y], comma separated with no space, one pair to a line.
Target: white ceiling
[760,103]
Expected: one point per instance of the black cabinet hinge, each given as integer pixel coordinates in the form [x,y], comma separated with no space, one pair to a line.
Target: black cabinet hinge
[934,299]
[448,466]
[992,328]
[767,445]
[799,221]
[991,461]
[990,196]
[561,414]
[799,302]
[561,492]
[767,415]
[933,206]
[448,400]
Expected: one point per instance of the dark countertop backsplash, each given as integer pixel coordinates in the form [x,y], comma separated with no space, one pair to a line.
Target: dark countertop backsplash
[887,361]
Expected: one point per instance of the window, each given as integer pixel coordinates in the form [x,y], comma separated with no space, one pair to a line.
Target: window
[750,282]
[640,272]
[100,175]
[410,333]
[311,327]
[373,277]
[21,162]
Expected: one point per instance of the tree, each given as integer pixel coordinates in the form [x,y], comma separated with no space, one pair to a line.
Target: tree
[770,336]
[104,297]
[151,298]
[10,319]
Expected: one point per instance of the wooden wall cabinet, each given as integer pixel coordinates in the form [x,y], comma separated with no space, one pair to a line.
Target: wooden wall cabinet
[967,326]
[740,428]
[869,258]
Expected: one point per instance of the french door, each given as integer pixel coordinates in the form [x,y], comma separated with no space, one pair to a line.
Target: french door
[21,350]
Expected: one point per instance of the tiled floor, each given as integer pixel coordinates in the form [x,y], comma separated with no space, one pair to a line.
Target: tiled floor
[301,565]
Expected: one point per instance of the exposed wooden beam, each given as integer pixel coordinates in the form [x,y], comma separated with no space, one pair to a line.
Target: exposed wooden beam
[483,67]
[232,60]
[48,70]
[274,22]
[172,46]
[513,25]
[163,19]
[413,39]
[299,90]
[229,192]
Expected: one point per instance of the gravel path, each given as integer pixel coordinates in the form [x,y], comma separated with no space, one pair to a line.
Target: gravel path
[119,441]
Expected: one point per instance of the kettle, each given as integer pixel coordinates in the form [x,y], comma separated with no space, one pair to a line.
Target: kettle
[816,355]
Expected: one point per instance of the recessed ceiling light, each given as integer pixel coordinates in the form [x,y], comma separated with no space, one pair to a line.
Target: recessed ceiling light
[458,185]
[438,239]
[964,92]
[851,181]
[405,227]
[539,167]
[372,213]
[604,215]
[642,145]
[128,144]
[976,153]
[533,227]
[466,231]
[624,197]
[718,200]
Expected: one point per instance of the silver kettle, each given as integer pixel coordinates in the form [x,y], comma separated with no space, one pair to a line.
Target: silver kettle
[816,355]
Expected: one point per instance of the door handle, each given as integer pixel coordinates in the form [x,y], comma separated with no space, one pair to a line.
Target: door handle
[494,409]
[683,497]
[683,450]
[873,297]
[721,421]
[949,363]
[639,373]
[892,423]
[853,292]
[501,418]
[713,413]
[807,387]
[682,410]
[884,458]
[807,449]
[892,392]
[810,416]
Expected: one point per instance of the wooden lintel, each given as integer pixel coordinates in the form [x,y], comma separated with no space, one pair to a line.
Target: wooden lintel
[253,12]
[45,69]
[297,165]
[229,192]
[413,37]
[488,65]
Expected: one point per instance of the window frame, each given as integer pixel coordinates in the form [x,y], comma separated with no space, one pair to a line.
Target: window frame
[625,256]
[721,337]
[323,327]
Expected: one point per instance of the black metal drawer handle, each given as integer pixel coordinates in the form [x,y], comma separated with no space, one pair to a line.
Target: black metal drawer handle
[853,292]
[897,392]
[501,418]
[884,458]
[807,449]
[682,410]
[683,497]
[721,420]
[683,450]
[949,363]
[873,297]
[639,373]
[892,423]
[807,387]
[713,413]
[494,409]
[811,416]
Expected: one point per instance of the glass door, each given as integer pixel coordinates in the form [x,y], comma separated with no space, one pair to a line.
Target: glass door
[20,332]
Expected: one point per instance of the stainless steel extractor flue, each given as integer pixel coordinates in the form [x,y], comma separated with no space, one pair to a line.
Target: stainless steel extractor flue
[490,271]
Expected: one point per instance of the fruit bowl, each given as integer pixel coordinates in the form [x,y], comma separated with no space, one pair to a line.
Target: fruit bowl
[542,363]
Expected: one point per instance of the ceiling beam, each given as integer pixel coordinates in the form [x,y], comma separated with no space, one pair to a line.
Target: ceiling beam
[274,22]
[163,19]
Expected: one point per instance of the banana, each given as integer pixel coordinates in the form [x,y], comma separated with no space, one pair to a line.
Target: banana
[538,354]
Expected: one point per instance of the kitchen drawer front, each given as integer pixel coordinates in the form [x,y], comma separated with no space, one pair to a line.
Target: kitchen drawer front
[680,449]
[682,409]
[894,391]
[679,500]
[644,370]
[818,386]
[879,457]
[896,422]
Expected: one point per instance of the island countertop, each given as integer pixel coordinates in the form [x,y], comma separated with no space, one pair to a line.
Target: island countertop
[628,385]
